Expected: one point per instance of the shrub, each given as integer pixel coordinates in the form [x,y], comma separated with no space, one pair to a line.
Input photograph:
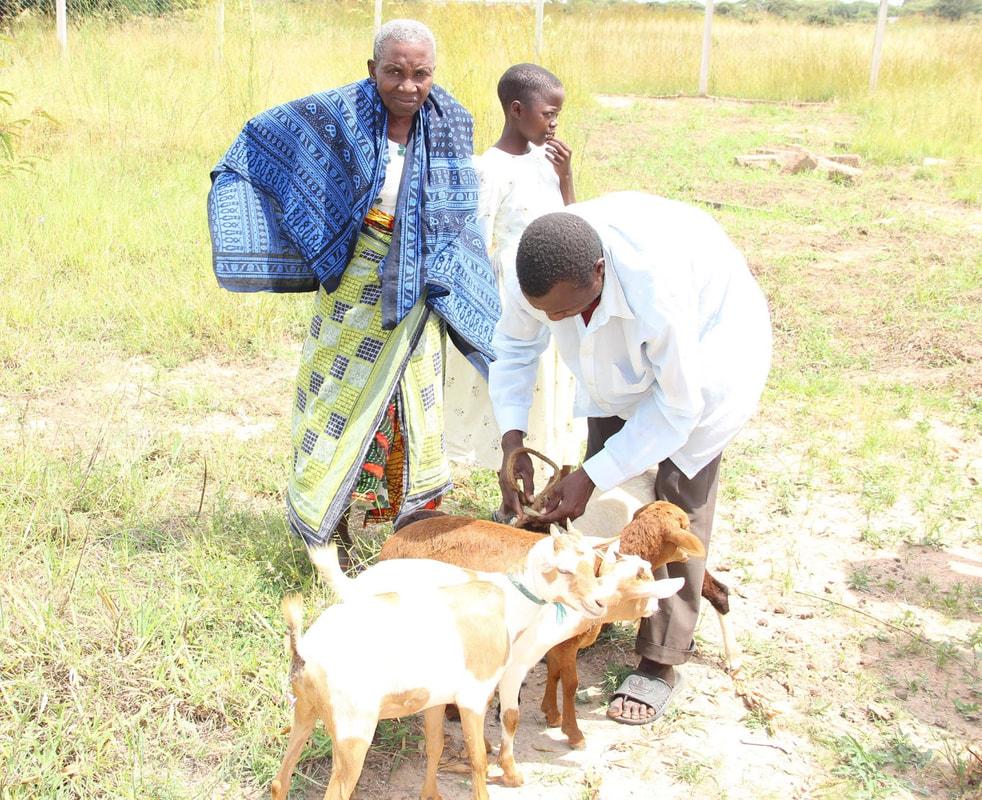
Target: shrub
[955,9]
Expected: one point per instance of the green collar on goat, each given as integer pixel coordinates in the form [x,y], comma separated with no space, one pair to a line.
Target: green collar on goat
[560,608]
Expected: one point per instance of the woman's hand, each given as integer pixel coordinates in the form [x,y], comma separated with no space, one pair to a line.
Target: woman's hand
[567,500]
[514,502]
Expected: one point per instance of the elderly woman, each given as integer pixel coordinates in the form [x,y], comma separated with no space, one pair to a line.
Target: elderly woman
[367,194]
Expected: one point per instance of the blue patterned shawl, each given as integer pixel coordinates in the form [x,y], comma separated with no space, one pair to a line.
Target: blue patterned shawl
[288,199]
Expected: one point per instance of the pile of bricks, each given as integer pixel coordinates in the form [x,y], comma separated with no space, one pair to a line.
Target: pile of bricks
[792,160]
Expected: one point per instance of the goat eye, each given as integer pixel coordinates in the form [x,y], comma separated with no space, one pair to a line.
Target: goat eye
[564,571]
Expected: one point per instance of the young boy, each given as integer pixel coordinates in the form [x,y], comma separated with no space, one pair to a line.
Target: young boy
[527,173]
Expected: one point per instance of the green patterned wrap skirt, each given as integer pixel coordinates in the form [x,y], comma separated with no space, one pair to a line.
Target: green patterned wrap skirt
[351,371]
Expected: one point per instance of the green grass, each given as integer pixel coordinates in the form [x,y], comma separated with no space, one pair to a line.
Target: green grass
[144,549]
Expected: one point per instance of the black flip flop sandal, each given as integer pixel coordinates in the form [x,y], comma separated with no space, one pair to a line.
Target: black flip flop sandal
[652,692]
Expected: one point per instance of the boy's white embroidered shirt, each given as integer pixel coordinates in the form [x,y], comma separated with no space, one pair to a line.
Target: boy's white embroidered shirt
[679,345]
[514,191]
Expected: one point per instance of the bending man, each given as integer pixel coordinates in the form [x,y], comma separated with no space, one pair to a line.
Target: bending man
[657,315]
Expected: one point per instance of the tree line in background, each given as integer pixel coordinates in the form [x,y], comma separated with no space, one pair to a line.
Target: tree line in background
[831,12]
[813,12]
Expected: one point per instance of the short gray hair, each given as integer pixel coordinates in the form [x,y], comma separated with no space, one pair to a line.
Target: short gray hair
[409,31]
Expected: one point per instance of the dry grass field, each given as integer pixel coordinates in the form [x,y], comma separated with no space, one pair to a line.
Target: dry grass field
[144,413]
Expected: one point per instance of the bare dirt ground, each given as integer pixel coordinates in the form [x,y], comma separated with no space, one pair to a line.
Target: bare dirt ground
[816,669]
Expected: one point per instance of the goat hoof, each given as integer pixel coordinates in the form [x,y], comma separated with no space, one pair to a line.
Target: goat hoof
[553,720]
[513,779]
[577,742]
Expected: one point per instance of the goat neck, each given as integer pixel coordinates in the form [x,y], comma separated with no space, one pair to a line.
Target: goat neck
[561,569]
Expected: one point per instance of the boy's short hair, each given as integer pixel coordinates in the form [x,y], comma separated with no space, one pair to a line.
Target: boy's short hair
[523,82]
[556,247]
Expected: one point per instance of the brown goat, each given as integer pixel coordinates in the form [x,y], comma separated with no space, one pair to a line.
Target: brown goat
[658,533]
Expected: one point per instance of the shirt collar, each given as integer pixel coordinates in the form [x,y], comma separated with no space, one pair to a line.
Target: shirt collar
[613,303]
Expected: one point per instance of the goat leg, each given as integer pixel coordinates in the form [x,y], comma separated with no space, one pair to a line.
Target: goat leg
[731,650]
[508,689]
[717,594]
[304,719]
[433,729]
[550,706]
[473,724]
[347,760]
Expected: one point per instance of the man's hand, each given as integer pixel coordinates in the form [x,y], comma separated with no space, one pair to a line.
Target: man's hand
[567,500]
[515,502]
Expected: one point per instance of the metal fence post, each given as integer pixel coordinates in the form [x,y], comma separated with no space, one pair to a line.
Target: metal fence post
[881,25]
[61,25]
[707,46]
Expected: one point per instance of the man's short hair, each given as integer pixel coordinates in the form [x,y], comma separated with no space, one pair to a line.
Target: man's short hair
[556,247]
[410,31]
[524,82]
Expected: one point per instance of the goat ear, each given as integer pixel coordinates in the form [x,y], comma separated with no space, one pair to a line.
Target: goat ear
[559,537]
[613,540]
[666,587]
[687,545]
[608,559]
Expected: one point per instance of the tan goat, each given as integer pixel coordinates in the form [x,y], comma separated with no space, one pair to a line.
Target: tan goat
[456,634]
[658,533]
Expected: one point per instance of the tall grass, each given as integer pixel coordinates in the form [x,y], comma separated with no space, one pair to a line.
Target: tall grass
[107,241]
[138,639]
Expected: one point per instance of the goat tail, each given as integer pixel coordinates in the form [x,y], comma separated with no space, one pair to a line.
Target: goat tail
[325,561]
[292,607]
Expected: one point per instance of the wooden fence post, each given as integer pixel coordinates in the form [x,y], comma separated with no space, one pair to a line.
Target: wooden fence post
[881,24]
[539,14]
[707,46]
[378,15]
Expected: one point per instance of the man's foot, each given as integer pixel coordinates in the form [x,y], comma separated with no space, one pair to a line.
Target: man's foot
[644,694]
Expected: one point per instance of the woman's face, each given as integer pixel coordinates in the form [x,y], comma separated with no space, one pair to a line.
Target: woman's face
[403,75]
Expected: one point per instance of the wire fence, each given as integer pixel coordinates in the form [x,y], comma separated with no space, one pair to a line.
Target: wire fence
[79,9]
[66,12]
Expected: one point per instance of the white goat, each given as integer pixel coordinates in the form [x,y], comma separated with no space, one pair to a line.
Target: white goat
[454,643]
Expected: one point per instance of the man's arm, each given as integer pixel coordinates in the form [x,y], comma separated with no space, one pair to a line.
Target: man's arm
[519,340]
[659,425]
